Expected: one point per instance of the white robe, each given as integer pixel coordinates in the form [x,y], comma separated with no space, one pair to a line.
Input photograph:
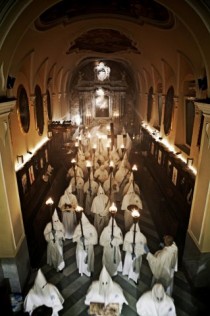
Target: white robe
[78,187]
[132,263]
[105,291]
[101,174]
[163,264]
[43,294]
[130,198]
[147,305]
[111,253]
[90,191]
[55,245]
[67,205]
[100,209]
[85,257]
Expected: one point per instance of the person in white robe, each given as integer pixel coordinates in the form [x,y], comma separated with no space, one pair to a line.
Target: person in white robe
[90,191]
[121,177]
[85,235]
[100,209]
[155,303]
[130,198]
[101,174]
[135,185]
[111,188]
[111,238]
[75,171]
[105,291]
[133,252]
[67,204]
[164,263]
[114,156]
[43,293]
[54,234]
[78,187]
[82,164]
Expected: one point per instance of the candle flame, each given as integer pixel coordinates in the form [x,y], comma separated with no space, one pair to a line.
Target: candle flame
[134,168]
[135,214]
[49,201]
[79,208]
[113,208]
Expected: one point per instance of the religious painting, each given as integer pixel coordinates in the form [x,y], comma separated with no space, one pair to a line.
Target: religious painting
[41,163]
[152,148]
[159,157]
[174,175]
[24,182]
[46,155]
[101,103]
[31,174]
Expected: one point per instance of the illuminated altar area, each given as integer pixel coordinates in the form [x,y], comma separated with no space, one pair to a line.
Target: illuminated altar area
[103,92]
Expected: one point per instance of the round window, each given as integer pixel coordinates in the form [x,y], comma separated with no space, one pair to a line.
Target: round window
[23,108]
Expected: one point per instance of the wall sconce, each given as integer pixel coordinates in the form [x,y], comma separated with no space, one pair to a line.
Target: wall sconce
[190,162]
[20,159]
[49,134]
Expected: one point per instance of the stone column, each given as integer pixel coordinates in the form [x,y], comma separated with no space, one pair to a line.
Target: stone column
[197,248]
[14,258]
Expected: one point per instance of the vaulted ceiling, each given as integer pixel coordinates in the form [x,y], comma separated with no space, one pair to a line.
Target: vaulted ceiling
[140,33]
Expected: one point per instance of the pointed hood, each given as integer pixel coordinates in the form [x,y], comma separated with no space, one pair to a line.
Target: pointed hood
[158,293]
[55,217]
[130,189]
[40,281]
[100,190]
[105,285]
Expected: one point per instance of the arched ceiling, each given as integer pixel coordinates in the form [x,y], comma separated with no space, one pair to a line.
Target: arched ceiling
[141,32]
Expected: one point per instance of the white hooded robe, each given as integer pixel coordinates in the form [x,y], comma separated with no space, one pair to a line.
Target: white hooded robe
[105,291]
[54,234]
[100,209]
[155,303]
[112,258]
[43,293]
[85,251]
[133,255]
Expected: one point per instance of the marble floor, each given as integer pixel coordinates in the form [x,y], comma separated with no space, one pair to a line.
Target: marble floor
[74,287]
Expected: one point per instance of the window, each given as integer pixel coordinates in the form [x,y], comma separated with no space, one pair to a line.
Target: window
[189,120]
[39,111]
[169,108]
[149,104]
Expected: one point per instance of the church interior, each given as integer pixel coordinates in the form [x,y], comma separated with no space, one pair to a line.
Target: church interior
[101,84]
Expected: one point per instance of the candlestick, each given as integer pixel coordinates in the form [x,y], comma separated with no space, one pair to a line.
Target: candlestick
[89,165]
[79,211]
[113,211]
[73,161]
[134,169]
[135,214]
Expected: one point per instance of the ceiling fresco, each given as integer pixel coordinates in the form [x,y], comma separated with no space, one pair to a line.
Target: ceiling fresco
[103,41]
[142,11]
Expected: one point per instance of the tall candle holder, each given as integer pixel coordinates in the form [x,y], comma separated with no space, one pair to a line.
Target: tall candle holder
[122,147]
[111,168]
[108,150]
[73,161]
[134,169]
[89,165]
[49,202]
[79,211]
[113,211]
[93,155]
[136,215]
[77,148]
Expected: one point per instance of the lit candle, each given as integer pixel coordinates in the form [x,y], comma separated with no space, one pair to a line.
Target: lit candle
[134,168]
[49,201]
